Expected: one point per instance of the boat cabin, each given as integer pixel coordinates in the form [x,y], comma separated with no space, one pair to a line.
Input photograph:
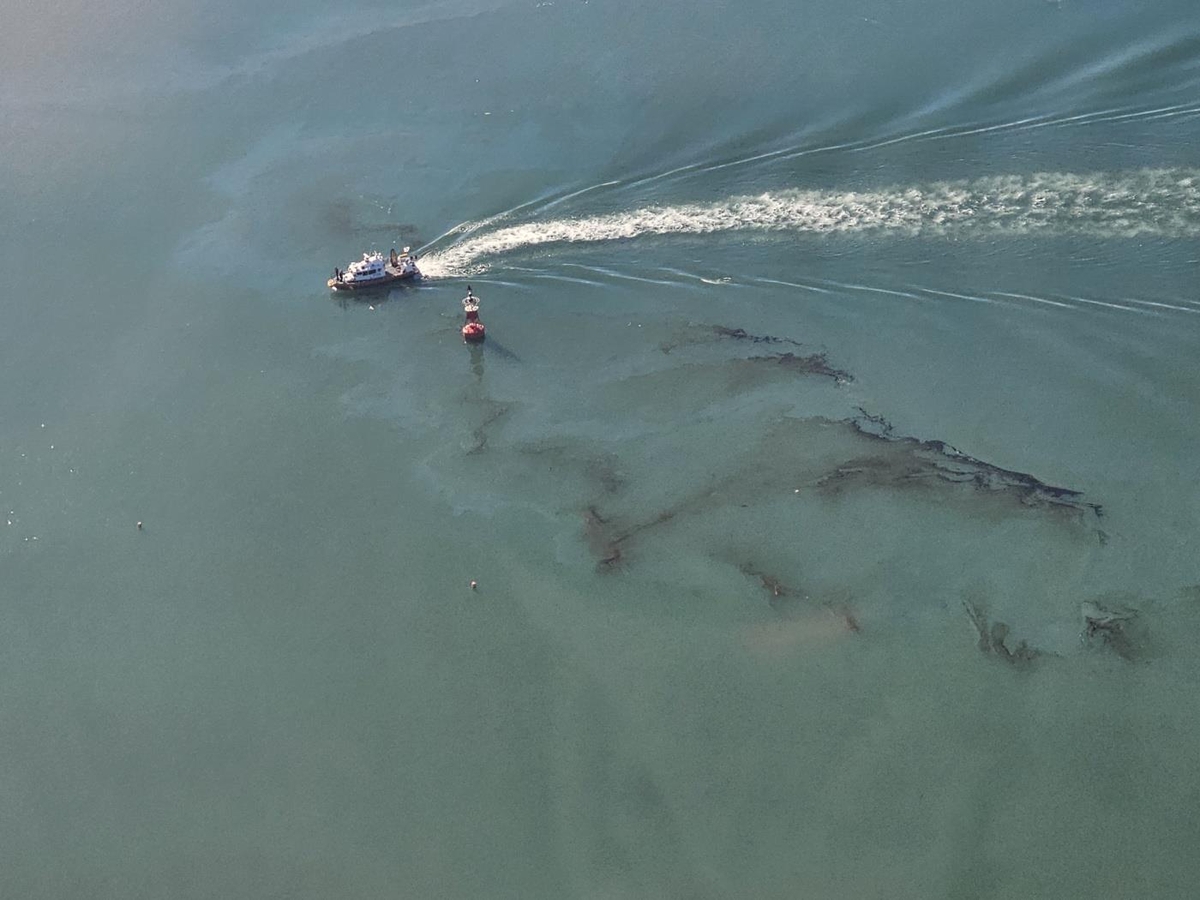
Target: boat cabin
[369,268]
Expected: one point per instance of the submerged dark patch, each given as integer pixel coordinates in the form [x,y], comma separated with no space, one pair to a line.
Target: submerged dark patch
[607,541]
[342,218]
[995,637]
[493,412]
[788,600]
[597,531]
[770,583]
[1113,626]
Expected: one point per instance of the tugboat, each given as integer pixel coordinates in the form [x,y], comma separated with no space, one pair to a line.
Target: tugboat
[473,331]
[374,271]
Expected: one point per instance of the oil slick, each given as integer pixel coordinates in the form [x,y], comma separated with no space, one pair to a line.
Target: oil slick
[816,363]
[812,364]
[912,461]
[790,454]
[628,525]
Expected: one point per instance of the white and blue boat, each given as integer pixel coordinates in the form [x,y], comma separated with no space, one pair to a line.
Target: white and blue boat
[375,270]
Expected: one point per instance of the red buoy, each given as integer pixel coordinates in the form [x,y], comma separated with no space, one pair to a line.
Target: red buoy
[473,331]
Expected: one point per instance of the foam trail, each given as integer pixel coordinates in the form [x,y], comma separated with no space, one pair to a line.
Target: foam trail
[1162,202]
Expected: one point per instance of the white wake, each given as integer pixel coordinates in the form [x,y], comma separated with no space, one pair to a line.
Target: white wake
[1163,202]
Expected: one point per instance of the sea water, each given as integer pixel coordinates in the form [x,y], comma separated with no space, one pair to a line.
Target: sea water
[797,319]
